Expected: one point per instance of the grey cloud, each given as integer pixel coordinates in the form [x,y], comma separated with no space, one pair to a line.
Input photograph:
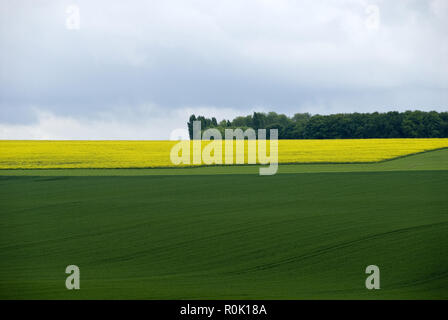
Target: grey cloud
[288,56]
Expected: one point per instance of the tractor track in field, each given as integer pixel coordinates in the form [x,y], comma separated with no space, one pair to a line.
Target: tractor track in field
[341,245]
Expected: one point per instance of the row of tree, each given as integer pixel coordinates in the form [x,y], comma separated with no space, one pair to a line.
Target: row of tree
[409,124]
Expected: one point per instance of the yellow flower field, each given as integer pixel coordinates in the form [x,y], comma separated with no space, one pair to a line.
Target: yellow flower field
[144,154]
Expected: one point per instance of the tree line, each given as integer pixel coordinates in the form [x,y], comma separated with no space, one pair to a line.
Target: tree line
[408,124]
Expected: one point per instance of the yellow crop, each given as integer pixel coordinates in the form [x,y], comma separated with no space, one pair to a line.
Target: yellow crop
[141,154]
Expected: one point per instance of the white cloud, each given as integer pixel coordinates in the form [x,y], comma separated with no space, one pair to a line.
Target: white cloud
[148,122]
[439,8]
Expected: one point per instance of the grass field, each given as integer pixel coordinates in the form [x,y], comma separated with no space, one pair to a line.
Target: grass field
[226,232]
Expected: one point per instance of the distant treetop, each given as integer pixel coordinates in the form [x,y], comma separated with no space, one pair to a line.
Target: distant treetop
[409,124]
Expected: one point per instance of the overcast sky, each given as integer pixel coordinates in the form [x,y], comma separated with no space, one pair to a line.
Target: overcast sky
[138,69]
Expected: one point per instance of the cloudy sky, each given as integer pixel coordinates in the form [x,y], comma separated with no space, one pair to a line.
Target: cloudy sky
[137,69]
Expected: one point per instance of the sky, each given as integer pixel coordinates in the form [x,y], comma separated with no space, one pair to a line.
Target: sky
[110,69]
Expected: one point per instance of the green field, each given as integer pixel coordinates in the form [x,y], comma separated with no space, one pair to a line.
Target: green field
[227,233]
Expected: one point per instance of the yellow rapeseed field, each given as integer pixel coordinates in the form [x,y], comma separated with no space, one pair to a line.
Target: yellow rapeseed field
[143,154]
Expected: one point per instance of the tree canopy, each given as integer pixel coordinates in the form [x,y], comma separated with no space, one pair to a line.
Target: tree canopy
[408,124]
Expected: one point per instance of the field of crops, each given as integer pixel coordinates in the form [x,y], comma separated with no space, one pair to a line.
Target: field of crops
[153,154]
[224,232]
[181,234]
